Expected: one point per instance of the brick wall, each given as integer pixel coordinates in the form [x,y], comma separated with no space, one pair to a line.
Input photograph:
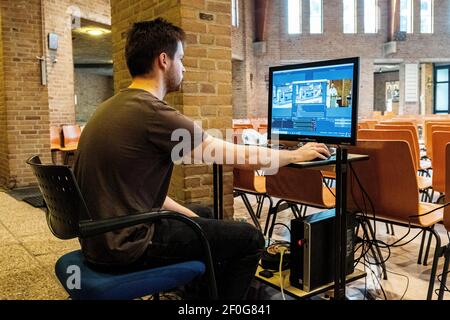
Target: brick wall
[4,166]
[243,63]
[283,48]
[61,74]
[91,89]
[26,100]
[206,91]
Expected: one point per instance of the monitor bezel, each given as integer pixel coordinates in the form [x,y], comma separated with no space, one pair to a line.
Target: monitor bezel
[355,102]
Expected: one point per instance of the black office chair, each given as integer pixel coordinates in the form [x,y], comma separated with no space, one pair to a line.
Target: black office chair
[68,217]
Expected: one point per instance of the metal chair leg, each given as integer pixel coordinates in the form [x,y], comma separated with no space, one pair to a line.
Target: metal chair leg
[427,251]
[437,254]
[444,273]
[419,260]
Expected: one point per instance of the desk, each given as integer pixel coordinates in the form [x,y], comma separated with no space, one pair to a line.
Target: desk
[340,160]
[297,293]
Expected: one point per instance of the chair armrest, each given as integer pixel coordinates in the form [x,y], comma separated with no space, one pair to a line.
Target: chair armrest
[92,228]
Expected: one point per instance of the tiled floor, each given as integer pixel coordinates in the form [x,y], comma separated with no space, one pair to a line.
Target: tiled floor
[28,252]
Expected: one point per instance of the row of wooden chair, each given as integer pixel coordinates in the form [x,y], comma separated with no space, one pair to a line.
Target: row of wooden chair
[388,178]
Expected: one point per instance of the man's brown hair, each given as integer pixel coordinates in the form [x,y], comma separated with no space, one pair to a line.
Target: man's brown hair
[147,40]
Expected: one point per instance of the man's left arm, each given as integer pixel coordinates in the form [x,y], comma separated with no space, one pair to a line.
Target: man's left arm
[172,205]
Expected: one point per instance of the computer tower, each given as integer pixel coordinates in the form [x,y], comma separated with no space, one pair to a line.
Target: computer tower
[312,261]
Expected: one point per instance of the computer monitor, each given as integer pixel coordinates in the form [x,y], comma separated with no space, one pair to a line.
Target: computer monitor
[315,101]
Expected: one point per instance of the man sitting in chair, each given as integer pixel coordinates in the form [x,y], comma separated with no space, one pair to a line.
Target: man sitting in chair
[124,164]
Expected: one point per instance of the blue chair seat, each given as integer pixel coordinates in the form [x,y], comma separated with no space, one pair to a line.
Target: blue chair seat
[110,286]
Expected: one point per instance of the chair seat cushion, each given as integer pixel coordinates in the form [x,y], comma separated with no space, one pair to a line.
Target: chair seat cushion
[115,286]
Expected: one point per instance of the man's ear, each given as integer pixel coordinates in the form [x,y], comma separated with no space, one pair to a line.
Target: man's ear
[163,61]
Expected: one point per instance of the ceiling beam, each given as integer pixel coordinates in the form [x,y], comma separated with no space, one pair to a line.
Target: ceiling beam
[393,18]
[261,11]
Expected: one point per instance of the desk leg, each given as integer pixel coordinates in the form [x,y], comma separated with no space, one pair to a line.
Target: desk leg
[340,229]
[218,191]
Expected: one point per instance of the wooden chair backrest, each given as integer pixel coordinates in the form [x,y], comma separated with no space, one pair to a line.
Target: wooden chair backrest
[55,137]
[439,141]
[447,187]
[71,134]
[388,177]
[402,135]
[298,185]
[429,141]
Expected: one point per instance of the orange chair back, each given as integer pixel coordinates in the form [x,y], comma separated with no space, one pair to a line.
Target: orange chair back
[398,123]
[405,135]
[427,129]
[370,122]
[447,187]
[55,138]
[71,135]
[363,125]
[412,128]
[298,185]
[246,180]
[388,178]
[433,127]
[439,141]
[377,114]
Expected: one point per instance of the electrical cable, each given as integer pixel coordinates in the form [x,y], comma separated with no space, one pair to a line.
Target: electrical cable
[282,250]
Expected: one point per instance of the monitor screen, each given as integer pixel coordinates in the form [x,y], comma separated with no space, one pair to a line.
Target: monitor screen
[314,101]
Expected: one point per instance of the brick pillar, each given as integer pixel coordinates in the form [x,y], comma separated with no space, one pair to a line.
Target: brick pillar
[24,113]
[206,92]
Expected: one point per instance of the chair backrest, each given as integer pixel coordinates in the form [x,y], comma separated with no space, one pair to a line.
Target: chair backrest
[409,127]
[430,135]
[405,135]
[439,141]
[427,128]
[55,137]
[363,125]
[303,186]
[71,134]
[247,180]
[447,187]
[65,204]
[388,177]
[376,114]
[370,122]
[398,123]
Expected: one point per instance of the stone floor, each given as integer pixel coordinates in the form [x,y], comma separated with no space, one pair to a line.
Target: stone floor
[28,252]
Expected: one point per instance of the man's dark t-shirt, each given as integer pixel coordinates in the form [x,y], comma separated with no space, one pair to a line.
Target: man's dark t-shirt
[123,166]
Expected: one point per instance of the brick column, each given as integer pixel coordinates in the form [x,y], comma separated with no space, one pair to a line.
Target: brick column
[206,92]
[24,114]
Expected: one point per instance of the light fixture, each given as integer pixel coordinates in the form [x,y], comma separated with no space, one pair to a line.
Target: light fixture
[96,32]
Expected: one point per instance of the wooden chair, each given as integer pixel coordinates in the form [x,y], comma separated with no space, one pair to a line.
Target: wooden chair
[246,182]
[55,141]
[71,136]
[297,186]
[387,181]
[446,223]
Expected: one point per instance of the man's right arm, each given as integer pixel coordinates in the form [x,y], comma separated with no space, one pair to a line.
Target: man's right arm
[255,157]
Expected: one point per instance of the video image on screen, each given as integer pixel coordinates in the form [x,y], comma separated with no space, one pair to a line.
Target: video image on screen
[313,101]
